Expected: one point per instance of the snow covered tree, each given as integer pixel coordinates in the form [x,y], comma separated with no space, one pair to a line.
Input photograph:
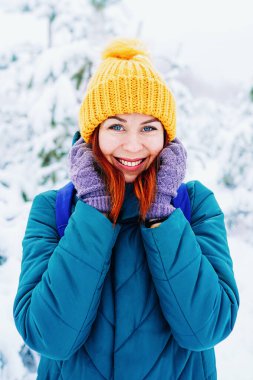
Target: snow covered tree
[236,170]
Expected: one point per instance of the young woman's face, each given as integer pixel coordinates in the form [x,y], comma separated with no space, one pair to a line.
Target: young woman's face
[134,138]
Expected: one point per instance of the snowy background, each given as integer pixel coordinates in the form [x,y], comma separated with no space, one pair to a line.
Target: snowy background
[48,50]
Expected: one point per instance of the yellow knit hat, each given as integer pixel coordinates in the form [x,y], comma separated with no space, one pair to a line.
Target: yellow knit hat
[126,82]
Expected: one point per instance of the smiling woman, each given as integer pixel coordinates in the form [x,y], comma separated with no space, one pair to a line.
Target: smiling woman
[119,279]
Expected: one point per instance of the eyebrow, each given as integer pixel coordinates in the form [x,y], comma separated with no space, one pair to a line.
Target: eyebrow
[125,121]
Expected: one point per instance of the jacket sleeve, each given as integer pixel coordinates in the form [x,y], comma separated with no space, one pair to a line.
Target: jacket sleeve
[192,271]
[61,281]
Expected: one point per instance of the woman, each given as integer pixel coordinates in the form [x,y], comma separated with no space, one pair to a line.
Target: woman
[133,290]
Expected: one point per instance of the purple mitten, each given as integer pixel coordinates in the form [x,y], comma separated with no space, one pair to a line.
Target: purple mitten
[169,177]
[88,183]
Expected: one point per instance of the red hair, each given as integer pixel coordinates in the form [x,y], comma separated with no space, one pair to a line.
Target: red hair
[144,184]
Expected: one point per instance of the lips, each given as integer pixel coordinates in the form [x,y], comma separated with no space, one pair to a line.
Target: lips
[130,159]
[121,165]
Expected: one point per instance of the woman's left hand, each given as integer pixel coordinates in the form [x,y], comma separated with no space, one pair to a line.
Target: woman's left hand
[169,177]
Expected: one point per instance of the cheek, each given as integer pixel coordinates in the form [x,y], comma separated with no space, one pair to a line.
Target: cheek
[104,143]
[108,143]
[157,146]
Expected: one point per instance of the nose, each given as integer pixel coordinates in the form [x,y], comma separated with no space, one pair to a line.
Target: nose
[133,143]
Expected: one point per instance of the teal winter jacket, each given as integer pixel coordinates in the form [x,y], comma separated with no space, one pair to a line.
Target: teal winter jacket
[126,302]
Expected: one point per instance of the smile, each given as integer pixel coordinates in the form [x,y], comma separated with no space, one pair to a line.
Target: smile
[130,164]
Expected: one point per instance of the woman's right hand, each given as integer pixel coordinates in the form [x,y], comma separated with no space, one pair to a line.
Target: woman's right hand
[89,185]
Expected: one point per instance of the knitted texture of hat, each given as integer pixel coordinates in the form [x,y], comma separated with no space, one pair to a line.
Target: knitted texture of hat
[126,82]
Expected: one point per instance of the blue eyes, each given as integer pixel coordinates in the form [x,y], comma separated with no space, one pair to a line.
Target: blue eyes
[114,126]
[120,126]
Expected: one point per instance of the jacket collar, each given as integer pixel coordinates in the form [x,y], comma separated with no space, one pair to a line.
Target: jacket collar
[130,209]
[76,137]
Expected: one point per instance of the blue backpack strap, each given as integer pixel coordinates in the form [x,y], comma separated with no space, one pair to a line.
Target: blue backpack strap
[64,200]
[182,200]
[63,206]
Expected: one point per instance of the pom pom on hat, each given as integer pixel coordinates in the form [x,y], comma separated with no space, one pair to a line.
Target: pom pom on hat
[124,48]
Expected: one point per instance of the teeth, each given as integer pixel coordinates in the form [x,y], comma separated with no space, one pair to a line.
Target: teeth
[127,163]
